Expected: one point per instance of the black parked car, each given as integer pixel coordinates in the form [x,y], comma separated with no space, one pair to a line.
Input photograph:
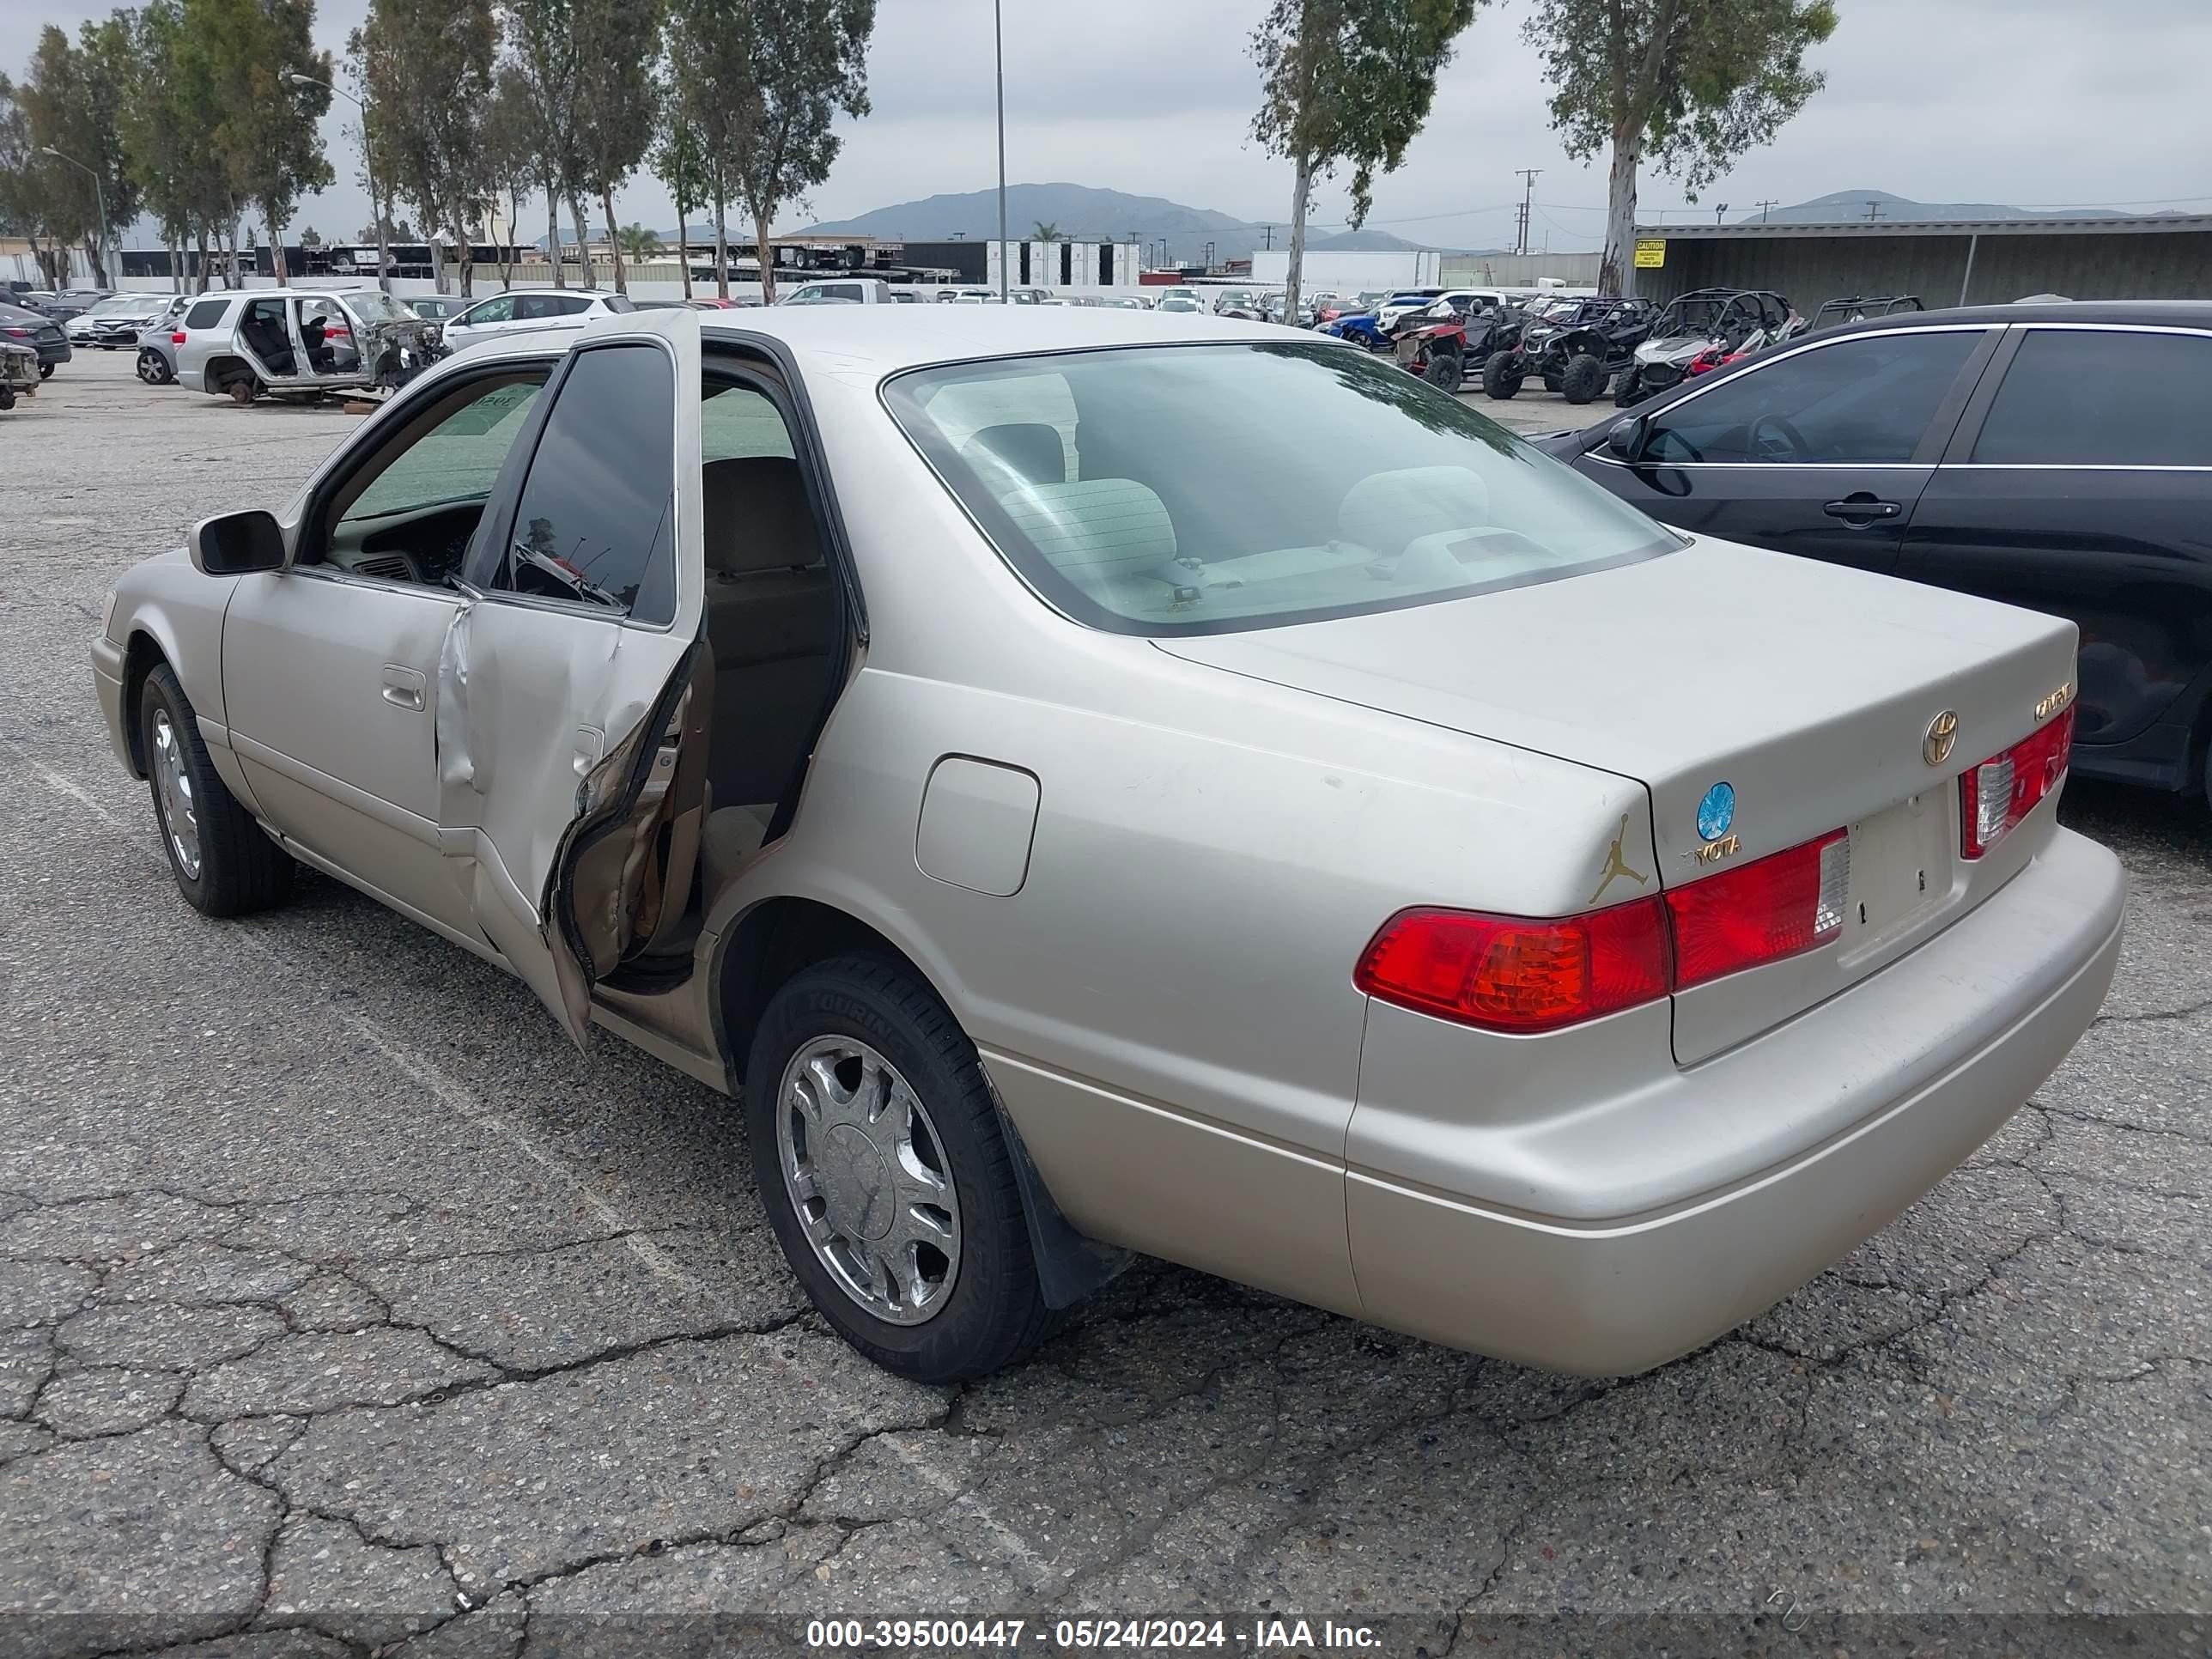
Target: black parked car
[2058,457]
[38,330]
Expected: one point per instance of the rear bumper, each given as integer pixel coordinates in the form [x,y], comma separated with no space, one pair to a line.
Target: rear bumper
[1903,1076]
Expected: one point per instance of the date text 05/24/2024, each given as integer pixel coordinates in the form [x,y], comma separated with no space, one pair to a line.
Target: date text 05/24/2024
[1260,1635]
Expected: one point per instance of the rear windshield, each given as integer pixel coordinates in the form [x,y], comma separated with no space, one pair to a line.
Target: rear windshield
[1211,489]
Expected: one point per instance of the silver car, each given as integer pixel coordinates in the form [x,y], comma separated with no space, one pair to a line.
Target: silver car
[157,341]
[297,343]
[1104,783]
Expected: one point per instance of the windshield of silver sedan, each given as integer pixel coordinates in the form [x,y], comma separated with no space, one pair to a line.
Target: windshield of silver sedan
[1205,489]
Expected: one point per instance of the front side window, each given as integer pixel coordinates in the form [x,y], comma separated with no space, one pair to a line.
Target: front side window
[1208,488]
[596,524]
[498,310]
[455,459]
[2083,397]
[1867,400]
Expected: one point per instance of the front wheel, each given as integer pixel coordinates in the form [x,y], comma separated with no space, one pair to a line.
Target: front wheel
[224,864]
[876,1146]
[1584,378]
[1625,390]
[1442,371]
[1501,375]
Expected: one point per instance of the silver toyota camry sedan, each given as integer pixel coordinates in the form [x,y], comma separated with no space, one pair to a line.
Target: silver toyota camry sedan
[1099,784]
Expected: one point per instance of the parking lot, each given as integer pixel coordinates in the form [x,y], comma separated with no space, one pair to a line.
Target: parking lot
[340,1299]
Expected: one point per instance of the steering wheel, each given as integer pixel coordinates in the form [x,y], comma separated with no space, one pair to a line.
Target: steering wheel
[1793,447]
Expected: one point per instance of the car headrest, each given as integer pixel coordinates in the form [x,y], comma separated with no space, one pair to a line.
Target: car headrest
[1389,509]
[758,516]
[1029,450]
[1094,529]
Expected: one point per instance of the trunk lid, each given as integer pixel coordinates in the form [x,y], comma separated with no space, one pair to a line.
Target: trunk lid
[1808,689]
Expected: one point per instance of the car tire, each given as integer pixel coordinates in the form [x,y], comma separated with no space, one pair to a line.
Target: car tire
[7,397]
[1624,389]
[46,371]
[1499,380]
[1583,379]
[994,1312]
[1551,383]
[239,869]
[154,368]
[1444,371]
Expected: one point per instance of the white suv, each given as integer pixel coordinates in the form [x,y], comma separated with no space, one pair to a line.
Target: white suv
[530,308]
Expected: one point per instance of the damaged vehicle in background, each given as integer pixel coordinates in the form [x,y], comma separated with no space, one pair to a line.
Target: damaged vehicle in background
[919,727]
[18,372]
[298,344]
[1443,343]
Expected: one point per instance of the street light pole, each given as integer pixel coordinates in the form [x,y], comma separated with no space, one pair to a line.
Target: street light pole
[998,52]
[100,206]
[368,166]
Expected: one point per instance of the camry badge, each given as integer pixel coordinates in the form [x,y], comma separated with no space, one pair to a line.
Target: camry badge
[1616,866]
[1717,811]
[1943,733]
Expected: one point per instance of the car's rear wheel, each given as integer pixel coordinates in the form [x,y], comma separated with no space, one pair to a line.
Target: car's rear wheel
[154,368]
[1442,370]
[45,371]
[1501,375]
[224,864]
[243,390]
[1583,379]
[885,1175]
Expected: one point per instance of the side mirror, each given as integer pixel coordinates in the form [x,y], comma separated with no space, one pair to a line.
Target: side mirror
[237,544]
[1627,438]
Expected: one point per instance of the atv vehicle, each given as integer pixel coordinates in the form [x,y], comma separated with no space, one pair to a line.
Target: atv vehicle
[1837,312]
[1735,320]
[1442,343]
[1575,346]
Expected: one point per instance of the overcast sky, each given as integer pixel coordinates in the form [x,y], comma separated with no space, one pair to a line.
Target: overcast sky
[2030,102]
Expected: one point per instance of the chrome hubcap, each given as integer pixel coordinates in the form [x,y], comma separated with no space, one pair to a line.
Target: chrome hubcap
[179,815]
[868,1175]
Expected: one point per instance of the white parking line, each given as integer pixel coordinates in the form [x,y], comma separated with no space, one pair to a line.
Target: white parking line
[463,1101]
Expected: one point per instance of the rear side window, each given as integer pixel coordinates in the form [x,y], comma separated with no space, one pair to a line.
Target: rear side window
[595,523]
[1868,400]
[206,314]
[2083,398]
[617,303]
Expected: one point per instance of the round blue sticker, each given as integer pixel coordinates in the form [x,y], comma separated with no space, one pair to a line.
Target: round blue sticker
[1717,811]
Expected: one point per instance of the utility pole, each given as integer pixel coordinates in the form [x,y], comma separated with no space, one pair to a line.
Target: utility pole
[1720,208]
[1269,232]
[1528,177]
[100,207]
[998,50]
[1873,211]
[377,203]
[1765,205]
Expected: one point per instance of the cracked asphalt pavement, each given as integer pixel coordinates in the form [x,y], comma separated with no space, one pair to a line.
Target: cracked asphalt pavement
[345,1308]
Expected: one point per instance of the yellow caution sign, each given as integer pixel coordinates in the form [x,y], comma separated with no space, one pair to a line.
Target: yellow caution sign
[1650,252]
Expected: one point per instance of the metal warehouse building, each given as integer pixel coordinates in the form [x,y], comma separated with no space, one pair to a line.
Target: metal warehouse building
[1945,262]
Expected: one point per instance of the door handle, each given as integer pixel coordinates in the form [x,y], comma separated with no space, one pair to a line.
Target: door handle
[403,687]
[1861,508]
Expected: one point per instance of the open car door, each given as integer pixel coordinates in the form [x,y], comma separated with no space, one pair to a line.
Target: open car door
[570,730]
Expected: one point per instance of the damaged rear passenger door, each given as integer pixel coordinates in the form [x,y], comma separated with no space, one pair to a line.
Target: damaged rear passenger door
[568,722]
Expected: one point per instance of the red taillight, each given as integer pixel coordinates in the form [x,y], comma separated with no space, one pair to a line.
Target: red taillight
[20,333]
[1515,973]
[1528,974]
[2003,789]
[1785,904]
[177,338]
